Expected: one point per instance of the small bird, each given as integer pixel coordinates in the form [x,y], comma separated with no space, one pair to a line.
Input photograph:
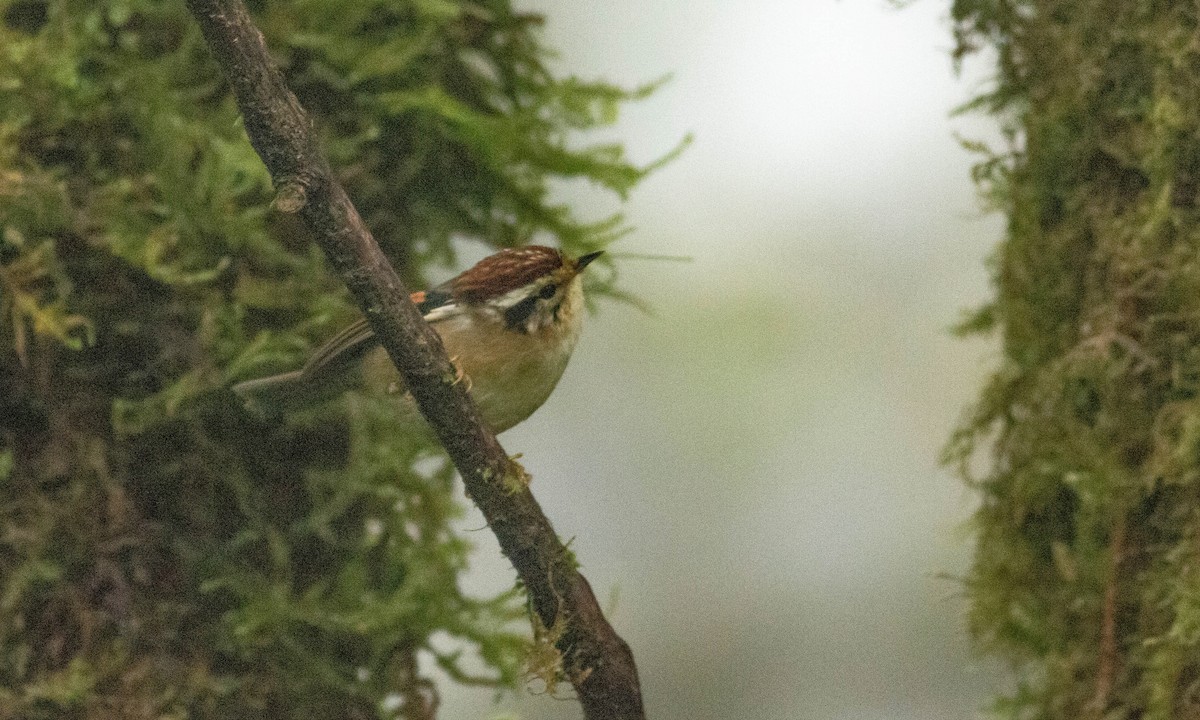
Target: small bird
[509,324]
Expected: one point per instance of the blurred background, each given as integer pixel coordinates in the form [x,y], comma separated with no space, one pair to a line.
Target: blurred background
[750,473]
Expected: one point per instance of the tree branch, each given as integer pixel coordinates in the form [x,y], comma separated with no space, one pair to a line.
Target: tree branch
[1108,656]
[596,660]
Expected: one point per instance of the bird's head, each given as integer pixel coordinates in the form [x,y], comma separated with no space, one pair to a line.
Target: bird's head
[530,287]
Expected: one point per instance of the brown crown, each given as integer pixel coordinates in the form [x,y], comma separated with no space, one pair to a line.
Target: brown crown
[507,270]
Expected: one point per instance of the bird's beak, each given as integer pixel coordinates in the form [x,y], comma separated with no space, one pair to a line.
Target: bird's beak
[583,261]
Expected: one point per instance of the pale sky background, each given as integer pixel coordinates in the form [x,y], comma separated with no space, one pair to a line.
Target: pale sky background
[752,472]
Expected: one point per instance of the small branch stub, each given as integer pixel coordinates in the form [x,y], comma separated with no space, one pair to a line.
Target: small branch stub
[290,197]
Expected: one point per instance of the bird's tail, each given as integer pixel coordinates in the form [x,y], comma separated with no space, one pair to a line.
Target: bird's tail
[274,395]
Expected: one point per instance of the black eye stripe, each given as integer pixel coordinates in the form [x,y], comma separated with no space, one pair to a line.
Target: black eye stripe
[516,315]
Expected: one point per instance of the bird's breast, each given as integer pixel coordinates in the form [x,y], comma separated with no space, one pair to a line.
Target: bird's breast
[511,373]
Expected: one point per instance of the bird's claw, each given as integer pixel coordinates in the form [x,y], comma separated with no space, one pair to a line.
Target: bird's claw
[459,374]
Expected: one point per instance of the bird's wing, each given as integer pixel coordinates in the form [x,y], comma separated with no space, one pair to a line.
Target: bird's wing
[349,345]
[435,304]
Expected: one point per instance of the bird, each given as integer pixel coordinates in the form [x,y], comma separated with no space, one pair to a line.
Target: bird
[509,324]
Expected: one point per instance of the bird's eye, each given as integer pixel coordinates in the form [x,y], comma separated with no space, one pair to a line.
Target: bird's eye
[548,292]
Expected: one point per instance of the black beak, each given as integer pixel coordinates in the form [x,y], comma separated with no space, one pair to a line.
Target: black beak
[583,261]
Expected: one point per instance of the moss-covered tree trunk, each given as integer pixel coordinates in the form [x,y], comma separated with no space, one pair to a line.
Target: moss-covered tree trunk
[163,554]
[1087,570]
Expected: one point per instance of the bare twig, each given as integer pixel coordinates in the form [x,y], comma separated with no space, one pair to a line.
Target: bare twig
[596,660]
[1108,658]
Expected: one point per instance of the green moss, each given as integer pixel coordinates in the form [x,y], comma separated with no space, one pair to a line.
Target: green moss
[163,554]
[1088,485]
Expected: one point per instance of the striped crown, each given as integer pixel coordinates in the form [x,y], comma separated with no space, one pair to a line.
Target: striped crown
[506,271]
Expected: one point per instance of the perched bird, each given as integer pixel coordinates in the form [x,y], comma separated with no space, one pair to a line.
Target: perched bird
[509,324]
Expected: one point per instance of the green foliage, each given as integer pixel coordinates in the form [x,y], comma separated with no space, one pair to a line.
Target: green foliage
[162,554]
[1087,570]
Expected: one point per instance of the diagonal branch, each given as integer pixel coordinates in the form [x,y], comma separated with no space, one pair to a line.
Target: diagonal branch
[596,660]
